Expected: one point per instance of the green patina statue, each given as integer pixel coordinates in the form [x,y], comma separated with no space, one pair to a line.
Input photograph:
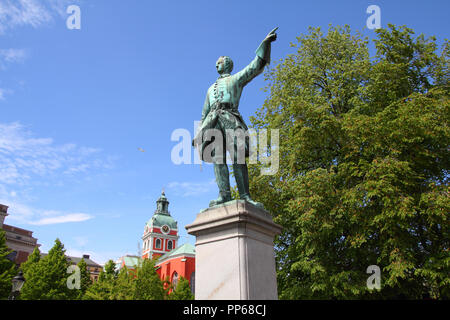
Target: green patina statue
[220,114]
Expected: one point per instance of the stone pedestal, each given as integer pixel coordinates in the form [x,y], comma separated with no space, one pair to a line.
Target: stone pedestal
[234,255]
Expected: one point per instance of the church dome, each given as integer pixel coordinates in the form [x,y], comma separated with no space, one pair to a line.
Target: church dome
[162,217]
[159,220]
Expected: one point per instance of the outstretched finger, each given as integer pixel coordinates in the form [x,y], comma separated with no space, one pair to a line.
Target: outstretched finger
[273,31]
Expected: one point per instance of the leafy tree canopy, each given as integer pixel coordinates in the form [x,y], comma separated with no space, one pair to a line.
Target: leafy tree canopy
[148,285]
[7,268]
[46,278]
[182,291]
[364,164]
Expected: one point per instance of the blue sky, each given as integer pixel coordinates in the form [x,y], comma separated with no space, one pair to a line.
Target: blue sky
[75,105]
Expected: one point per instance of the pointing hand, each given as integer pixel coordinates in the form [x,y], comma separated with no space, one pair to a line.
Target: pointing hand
[272,36]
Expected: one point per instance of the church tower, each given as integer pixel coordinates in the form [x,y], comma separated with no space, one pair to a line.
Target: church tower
[160,232]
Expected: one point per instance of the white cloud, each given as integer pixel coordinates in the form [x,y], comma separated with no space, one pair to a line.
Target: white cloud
[15,13]
[187,189]
[8,56]
[64,218]
[27,162]
[34,13]
[4,92]
[24,214]
[24,156]
[12,55]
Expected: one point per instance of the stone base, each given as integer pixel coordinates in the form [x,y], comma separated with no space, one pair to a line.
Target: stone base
[234,255]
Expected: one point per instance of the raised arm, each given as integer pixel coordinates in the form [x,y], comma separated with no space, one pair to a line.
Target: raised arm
[257,65]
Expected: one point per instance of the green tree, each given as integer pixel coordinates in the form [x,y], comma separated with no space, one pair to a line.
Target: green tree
[47,279]
[31,271]
[32,260]
[103,288]
[85,279]
[364,162]
[7,268]
[148,285]
[182,291]
[140,283]
[110,269]
[124,285]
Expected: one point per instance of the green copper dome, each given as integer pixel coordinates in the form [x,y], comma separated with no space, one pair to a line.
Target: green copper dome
[159,220]
[162,216]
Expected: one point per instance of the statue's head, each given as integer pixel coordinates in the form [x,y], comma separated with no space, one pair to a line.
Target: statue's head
[224,65]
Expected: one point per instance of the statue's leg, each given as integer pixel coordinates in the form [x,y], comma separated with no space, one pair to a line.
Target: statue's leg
[240,171]
[241,175]
[222,177]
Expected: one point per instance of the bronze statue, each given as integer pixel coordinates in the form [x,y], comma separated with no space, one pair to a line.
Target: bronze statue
[220,112]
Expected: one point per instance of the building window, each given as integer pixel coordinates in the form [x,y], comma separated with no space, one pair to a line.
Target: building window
[12,256]
[175,280]
[169,245]
[158,244]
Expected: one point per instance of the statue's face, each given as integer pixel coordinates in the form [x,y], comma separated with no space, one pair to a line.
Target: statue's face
[220,65]
[224,65]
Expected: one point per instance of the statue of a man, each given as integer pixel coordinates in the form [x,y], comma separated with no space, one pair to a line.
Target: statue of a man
[220,112]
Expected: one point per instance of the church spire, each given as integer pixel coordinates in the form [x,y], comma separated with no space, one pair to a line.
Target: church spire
[162,205]
[160,232]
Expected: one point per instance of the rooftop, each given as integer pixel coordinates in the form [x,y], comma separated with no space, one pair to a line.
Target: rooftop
[185,249]
[17,230]
[129,261]
[76,260]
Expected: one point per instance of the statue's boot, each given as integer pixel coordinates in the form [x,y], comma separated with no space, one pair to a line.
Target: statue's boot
[241,175]
[223,182]
[223,197]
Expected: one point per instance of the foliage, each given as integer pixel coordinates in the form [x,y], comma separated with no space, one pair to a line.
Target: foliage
[234,193]
[364,163]
[30,271]
[148,285]
[141,283]
[103,288]
[182,291]
[85,279]
[32,259]
[46,278]
[7,268]
[110,270]
[124,285]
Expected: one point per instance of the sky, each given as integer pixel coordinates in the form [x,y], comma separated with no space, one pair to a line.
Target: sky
[87,115]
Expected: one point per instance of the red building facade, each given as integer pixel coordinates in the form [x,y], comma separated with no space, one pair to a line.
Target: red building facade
[160,241]
[178,263]
[20,241]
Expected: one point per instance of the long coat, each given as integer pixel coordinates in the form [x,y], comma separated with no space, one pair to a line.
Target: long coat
[220,110]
